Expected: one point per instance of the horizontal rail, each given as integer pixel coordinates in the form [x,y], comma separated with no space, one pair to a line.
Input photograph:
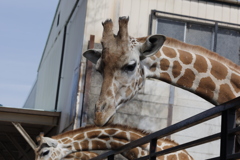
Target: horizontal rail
[197,18]
[187,123]
[233,156]
[234,131]
[184,146]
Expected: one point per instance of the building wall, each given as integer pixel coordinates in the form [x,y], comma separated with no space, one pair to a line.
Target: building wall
[59,68]
[48,71]
[70,75]
[149,110]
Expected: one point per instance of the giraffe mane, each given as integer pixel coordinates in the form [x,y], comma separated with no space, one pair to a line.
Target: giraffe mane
[118,126]
[200,50]
[92,127]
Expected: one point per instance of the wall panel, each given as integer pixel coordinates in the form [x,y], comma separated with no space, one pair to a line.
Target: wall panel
[71,65]
[48,77]
[177,7]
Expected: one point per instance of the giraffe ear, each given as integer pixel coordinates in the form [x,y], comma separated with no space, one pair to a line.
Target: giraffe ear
[93,55]
[51,142]
[152,45]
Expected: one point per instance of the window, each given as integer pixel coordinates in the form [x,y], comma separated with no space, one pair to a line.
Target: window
[215,36]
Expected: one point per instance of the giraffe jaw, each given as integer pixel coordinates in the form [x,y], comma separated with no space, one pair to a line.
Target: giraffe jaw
[101,118]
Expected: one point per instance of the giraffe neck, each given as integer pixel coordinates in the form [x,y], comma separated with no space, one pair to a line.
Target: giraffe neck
[196,69]
[112,137]
[99,138]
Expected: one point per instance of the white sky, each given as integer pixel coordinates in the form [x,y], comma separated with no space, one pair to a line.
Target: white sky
[24,28]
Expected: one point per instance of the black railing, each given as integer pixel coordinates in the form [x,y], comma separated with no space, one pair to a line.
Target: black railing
[228,131]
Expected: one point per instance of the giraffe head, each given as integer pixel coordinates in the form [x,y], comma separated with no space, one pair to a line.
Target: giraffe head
[50,149]
[119,62]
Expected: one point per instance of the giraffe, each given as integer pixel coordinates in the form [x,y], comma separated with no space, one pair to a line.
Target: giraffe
[125,63]
[79,143]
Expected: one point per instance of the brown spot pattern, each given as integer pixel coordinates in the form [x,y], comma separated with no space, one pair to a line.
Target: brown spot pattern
[132,154]
[218,70]
[182,156]
[93,134]
[98,145]
[165,77]
[225,94]
[111,131]
[79,136]
[69,156]
[168,146]
[109,93]
[172,156]
[164,64]
[134,136]
[200,64]
[76,146]
[158,54]
[121,135]
[187,79]
[115,145]
[128,91]
[176,71]
[235,81]
[153,58]
[185,57]
[169,52]
[153,67]
[206,88]
[66,141]
[84,144]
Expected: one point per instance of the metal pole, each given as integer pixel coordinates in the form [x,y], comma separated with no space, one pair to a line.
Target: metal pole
[227,140]
[24,134]
[153,146]
[215,37]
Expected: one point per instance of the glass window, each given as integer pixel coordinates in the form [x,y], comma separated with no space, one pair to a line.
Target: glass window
[228,44]
[171,28]
[201,35]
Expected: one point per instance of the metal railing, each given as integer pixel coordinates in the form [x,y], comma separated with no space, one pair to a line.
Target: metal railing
[227,134]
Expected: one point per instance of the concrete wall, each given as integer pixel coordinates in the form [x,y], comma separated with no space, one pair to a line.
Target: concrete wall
[149,110]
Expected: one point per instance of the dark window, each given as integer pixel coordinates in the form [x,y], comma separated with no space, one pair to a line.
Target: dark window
[227,40]
[171,28]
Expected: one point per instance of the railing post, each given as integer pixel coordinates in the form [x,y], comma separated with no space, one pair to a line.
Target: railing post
[227,140]
[153,145]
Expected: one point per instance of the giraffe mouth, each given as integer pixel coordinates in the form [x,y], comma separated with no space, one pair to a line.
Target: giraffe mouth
[102,120]
[109,121]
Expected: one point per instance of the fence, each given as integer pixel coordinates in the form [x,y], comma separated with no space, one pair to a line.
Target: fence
[227,134]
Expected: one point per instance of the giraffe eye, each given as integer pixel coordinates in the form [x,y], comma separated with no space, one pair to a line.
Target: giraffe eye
[44,153]
[129,67]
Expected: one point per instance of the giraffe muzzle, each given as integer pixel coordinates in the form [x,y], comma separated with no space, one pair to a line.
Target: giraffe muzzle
[104,115]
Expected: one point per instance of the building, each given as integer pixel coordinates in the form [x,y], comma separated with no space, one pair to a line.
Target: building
[68,84]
